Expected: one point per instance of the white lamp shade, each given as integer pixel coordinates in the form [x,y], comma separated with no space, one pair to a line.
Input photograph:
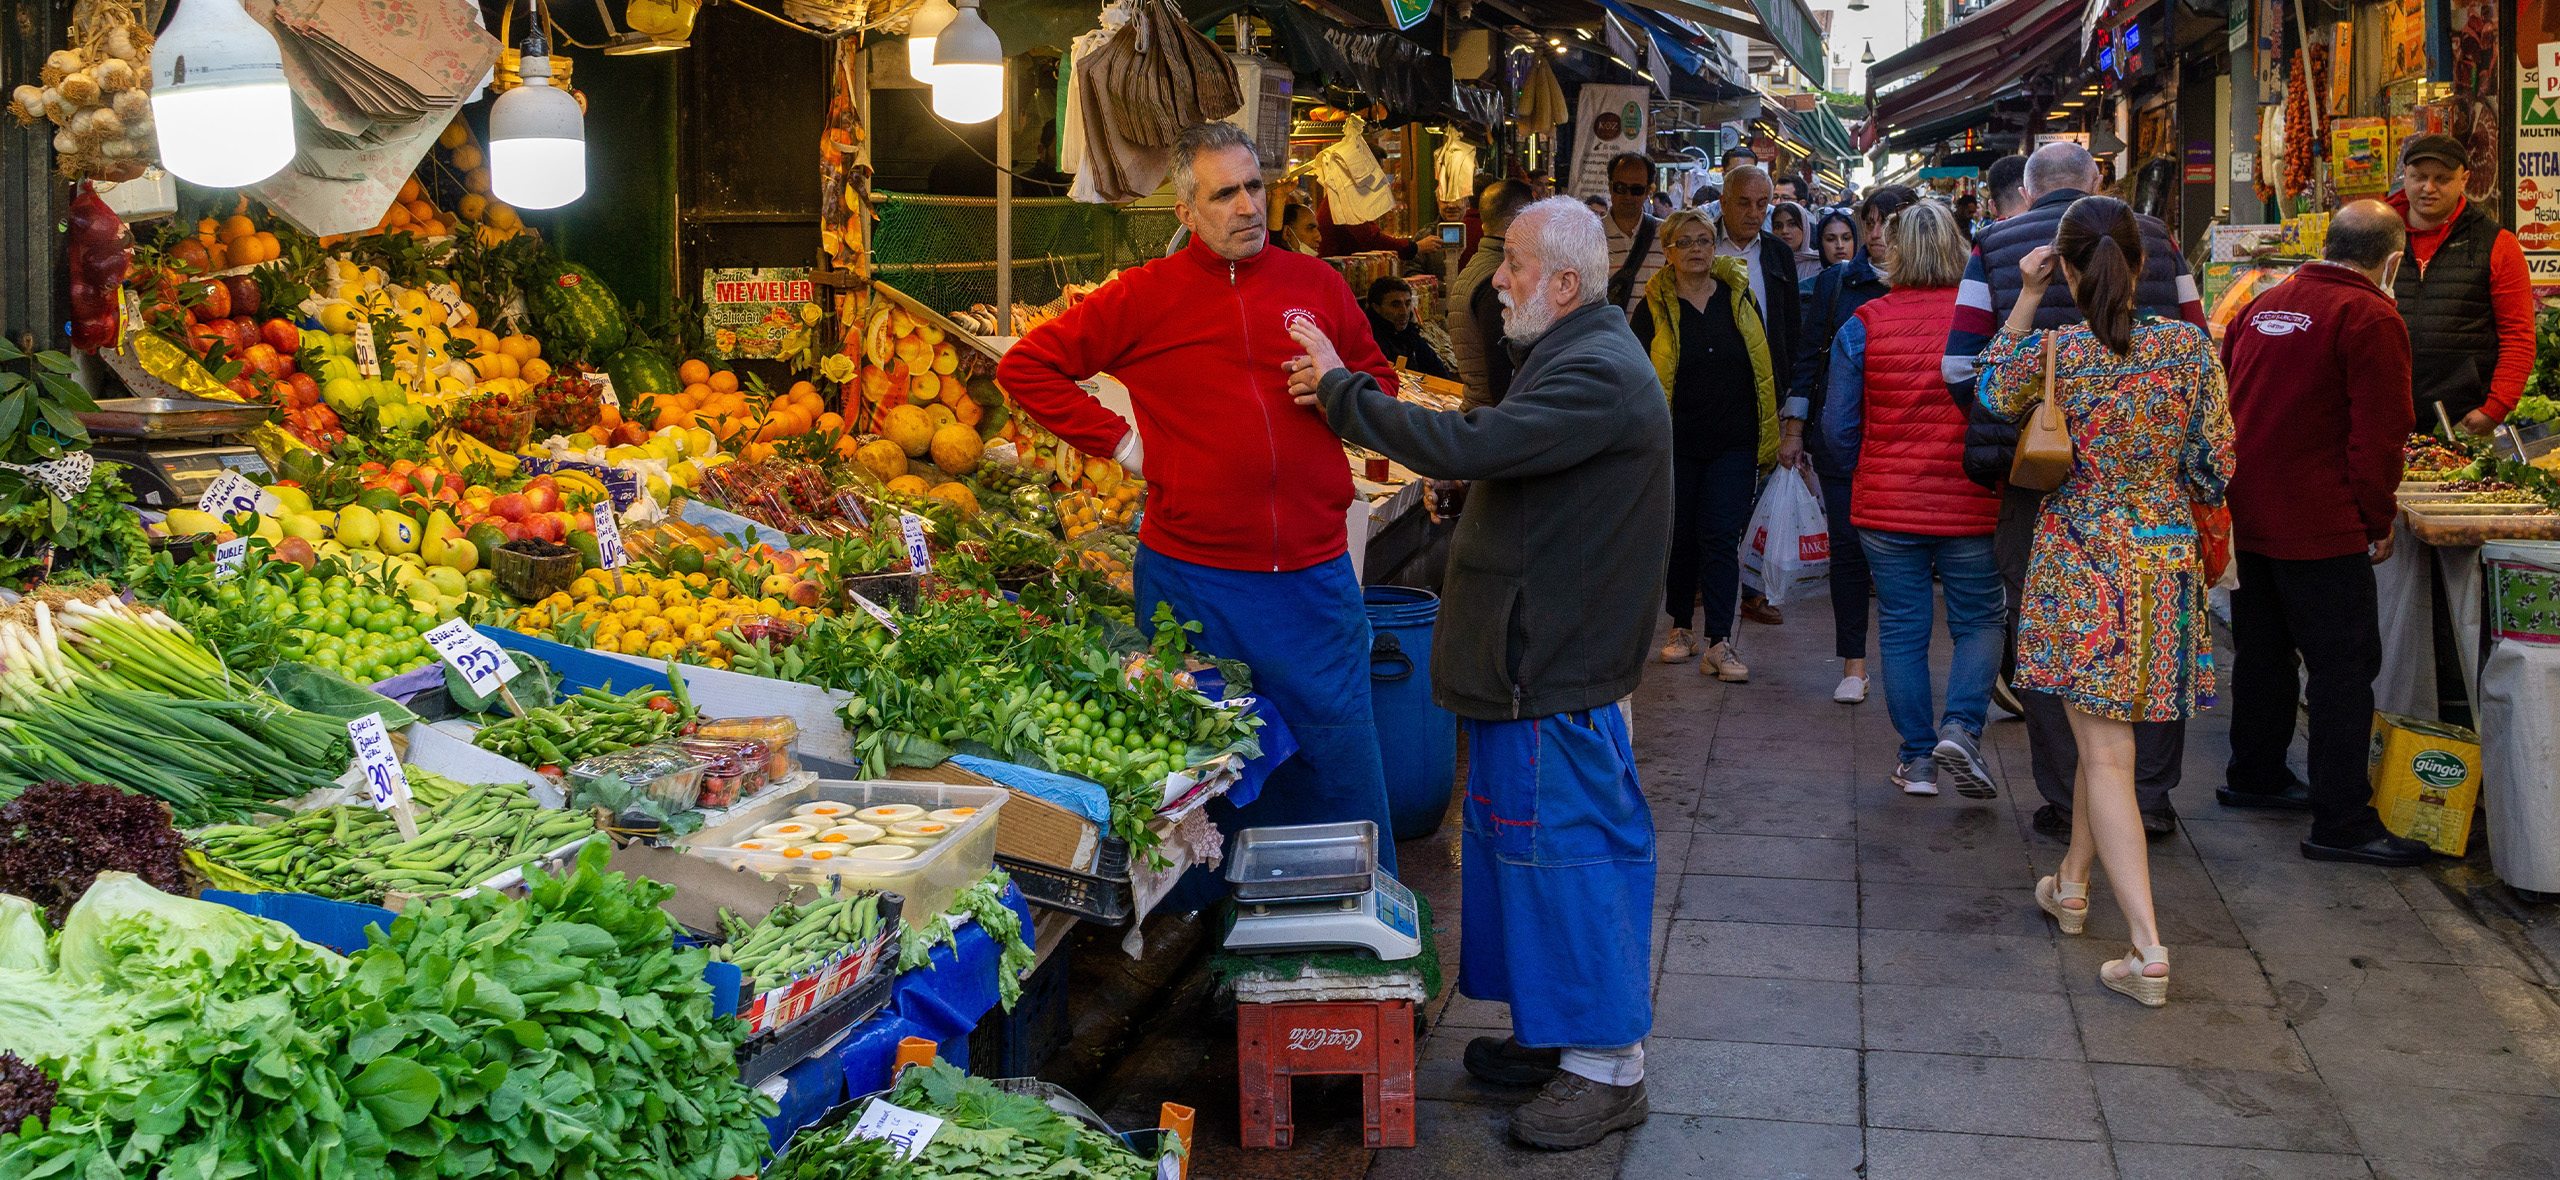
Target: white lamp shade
[968,69]
[537,143]
[968,94]
[924,28]
[218,97]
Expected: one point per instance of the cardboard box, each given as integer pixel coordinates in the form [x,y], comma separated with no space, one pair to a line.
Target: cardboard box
[1034,828]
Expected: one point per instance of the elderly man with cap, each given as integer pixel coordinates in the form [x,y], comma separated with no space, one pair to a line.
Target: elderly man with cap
[2464,293]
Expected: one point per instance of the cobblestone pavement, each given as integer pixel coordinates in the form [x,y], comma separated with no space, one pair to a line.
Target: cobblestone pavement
[1855,983]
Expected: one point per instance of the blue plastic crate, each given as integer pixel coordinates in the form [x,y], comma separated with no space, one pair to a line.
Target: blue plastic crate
[581,669]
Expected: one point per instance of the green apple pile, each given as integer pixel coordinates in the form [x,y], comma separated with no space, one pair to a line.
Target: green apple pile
[363,634]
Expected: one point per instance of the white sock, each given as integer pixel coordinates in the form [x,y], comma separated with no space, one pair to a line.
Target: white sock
[1622,1066]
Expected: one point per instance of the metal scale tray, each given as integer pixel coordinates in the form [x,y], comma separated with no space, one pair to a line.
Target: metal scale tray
[1307,862]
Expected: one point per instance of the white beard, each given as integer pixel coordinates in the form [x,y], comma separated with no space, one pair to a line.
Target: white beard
[1524,325]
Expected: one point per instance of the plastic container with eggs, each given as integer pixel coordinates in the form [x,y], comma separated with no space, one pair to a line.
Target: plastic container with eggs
[924,840]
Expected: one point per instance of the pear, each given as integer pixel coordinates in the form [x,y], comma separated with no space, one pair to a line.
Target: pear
[357,527]
[303,525]
[186,521]
[268,530]
[448,581]
[400,533]
[293,499]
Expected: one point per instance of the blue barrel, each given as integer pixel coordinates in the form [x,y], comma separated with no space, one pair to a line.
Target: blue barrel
[1418,740]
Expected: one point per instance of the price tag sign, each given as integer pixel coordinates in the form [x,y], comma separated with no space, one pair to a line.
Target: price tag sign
[918,557]
[368,359]
[451,298]
[483,664]
[232,492]
[875,610]
[602,384]
[228,555]
[383,776]
[608,537]
[908,1129]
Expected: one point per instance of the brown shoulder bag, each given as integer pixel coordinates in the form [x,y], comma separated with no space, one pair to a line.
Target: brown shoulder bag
[2044,439]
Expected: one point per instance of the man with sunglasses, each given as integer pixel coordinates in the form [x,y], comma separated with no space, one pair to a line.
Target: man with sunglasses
[1635,234]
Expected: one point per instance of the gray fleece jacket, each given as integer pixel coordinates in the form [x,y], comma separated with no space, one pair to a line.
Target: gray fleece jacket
[1555,573]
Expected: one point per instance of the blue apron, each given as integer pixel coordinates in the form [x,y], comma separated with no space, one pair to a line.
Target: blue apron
[1305,634]
[1558,879]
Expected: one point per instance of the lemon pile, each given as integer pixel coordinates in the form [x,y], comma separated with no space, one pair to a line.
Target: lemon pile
[661,618]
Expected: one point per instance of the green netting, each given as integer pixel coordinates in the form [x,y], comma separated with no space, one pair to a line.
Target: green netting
[1228,966]
[942,250]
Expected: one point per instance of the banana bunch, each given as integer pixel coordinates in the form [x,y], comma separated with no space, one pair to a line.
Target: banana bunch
[460,451]
[576,483]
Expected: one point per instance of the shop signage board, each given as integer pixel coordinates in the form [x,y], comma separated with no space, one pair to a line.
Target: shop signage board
[1607,120]
[754,312]
[2536,122]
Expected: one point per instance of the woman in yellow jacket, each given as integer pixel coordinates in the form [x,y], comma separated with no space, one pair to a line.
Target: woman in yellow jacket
[1703,330]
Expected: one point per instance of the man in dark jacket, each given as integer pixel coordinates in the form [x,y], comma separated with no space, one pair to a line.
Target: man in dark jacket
[2463,291]
[2317,367]
[1399,331]
[2058,174]
[1475,307]
[1545,617]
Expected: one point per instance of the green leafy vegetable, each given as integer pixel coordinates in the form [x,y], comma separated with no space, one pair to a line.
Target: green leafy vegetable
[983,901]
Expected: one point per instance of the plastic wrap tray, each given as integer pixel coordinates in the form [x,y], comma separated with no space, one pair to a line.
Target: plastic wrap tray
[929,882]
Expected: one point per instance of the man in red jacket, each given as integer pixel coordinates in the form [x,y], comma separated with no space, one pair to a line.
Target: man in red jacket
[2319,371]
[1247,492]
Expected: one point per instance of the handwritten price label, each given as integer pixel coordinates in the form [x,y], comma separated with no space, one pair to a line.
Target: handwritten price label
[231,493]
[875,610]
[383,776]
[368,358]
[910,1130]
[608,537]
[483,664]
[918,557]
[228,555]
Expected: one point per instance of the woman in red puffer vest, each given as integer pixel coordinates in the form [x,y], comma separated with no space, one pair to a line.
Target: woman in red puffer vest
[1888,416]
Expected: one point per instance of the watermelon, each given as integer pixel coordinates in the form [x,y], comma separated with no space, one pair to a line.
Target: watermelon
[639,372]
[579,314]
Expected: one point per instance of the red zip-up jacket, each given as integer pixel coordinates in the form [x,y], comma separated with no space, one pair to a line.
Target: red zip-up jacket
[2319,373]
[1239,476]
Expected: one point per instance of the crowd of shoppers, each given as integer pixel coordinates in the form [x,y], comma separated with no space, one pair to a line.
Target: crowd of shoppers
[1634,380]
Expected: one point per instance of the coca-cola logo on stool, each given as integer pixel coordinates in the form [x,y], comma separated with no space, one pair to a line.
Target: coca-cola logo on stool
[1304,1040]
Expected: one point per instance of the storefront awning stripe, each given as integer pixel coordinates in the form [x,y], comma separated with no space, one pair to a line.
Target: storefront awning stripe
[1989,28]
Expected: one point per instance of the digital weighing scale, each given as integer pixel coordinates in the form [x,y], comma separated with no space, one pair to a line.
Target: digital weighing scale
[167,447]
[1317,887]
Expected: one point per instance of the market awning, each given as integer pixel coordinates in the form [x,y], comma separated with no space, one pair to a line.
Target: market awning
[1786,24]
[1972,65]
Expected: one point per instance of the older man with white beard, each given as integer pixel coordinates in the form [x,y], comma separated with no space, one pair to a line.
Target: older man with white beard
[1554,573]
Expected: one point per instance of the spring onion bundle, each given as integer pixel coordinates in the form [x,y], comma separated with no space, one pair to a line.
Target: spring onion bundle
[127,696]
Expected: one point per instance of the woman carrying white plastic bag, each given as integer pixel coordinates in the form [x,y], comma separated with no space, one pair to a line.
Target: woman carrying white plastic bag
[1786,552]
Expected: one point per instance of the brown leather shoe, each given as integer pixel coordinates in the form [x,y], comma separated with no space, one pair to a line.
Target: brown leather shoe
[1574,1111]
[1761,611]
[1504,1061]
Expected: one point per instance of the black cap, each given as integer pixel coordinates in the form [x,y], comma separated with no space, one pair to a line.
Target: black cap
[2444,149]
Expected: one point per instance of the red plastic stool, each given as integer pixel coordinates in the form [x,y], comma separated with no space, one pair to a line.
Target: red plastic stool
[1276,1043]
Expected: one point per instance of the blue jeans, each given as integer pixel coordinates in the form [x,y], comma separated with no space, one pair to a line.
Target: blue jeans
[1977,613]
[1711,500]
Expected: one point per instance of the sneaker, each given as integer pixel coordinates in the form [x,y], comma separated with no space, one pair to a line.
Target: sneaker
[1763,612]
[2054,821]
[1721,664]
[1574,1111]
[1683,646]
[1960,755]
[1504,1061]
[1917,777]
[1852,690]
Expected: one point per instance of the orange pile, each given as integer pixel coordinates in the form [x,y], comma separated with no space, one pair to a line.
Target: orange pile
[236,241]
[711,399]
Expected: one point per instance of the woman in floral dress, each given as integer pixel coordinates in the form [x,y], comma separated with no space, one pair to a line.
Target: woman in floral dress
[2114,620]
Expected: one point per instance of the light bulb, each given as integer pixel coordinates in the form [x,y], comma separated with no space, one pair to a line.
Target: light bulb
[968,69]
[537,142]
[923,29]
[218,97]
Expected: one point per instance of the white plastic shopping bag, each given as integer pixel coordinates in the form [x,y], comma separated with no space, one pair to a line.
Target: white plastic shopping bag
[1786,551]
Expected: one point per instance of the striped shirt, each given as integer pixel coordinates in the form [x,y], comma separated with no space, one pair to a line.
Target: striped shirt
[1620,243]
[1977,320]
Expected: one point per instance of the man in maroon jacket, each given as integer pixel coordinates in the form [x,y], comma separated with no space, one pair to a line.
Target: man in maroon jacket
[2319,371]
[1247,492]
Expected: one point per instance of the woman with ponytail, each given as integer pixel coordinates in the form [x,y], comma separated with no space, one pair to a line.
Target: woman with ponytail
[2114,618]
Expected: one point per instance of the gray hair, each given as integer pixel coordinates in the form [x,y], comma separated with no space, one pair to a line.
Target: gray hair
[1742,172]
[2061,165]
[1201,139]
[1565,236]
